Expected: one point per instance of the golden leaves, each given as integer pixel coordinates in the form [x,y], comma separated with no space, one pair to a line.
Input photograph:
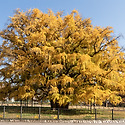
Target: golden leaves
[25,92]
[56,67]
[62,57]
[36,50]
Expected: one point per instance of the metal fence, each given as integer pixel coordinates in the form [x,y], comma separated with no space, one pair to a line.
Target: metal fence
[45,113]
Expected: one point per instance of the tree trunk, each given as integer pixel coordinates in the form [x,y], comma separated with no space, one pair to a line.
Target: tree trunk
[56,105]
[20,102]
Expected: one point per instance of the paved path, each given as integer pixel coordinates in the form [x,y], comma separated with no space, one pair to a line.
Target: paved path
[87,123]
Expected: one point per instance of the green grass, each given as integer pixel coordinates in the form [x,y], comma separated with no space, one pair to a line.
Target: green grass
[13,112]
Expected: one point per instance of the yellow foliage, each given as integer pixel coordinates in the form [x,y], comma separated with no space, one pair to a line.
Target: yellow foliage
[64,59]
[17,116]
[55,117]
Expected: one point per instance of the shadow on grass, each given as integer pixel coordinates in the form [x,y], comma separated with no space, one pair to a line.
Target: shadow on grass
[43,110]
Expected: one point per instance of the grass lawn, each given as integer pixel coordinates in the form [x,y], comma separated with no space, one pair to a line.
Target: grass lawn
[14,112]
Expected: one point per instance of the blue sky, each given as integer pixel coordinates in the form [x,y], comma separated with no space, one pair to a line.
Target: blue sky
[102,12]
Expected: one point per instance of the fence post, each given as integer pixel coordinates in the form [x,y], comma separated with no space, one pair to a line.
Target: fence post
[39,112]
[4,110]
[58,114]
[112,114]
[95,114]
[21,110]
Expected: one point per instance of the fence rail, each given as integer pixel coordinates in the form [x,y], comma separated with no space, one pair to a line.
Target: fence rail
[45,113]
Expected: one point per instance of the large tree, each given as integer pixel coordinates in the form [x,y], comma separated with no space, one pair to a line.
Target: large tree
[63,59]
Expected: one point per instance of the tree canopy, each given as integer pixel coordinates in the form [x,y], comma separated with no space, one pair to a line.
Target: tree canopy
[60,58]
